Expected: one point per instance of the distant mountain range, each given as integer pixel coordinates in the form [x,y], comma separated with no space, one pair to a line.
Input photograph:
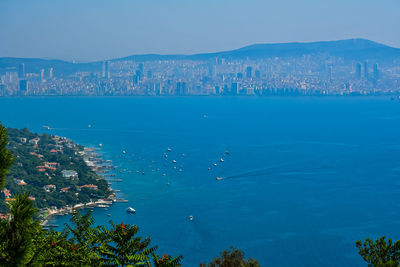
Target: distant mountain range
[350,49]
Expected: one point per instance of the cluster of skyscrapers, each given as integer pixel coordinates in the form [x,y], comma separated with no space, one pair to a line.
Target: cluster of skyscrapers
[317,75]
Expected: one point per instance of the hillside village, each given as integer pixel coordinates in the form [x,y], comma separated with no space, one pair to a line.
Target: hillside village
[56,172]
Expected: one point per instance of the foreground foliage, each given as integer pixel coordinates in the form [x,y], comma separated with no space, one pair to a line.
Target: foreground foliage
[25,242]
[380,253]
[232,258]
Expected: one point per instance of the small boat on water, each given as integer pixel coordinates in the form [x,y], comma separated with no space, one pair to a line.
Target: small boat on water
[169,149]
[215,164]
[221,160]
[109,215]
[100,145]
[168,184]
[46,127]
[89,126]
[191,217]
[227,152]
[209,168]
[130,210]
[165,156]
[123,152]
[174,161]
[219,178]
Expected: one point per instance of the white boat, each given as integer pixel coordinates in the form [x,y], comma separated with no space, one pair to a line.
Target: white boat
[46,127]
[123,152]
[215,164]
[221,160]
[100,145]
[130,210]
[174,161]
[209,168]
[227,152]
[169,149]
[89,126]
[191,217]
[219,178]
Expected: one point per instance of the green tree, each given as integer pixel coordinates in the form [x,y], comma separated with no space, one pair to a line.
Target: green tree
[233,258]
[6,158]
[118,246]
[166,260]
[17,232]
[380,253]
[75,244]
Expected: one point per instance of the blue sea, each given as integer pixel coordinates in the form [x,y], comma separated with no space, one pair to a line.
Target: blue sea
[305,177]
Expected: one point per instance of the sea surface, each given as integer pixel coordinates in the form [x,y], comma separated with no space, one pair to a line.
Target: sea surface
[305,177]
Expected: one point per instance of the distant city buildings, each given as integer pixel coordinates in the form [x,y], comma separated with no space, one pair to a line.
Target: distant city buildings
[358,70]
[21,71]
[292,76]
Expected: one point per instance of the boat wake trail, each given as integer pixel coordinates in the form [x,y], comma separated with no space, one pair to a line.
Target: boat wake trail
[294,167]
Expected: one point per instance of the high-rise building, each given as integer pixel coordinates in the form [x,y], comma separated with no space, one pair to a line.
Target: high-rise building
[141,67]
[366,70]
[139,74]
[23,85]
[106,70]
[257,74]
[181,89]
[249,71]
[358,70]
[21,71]
[107,67]
[42,75]
[217,90]
[103,69]
[51,73]
[135,79]
[376,72]
[234,88]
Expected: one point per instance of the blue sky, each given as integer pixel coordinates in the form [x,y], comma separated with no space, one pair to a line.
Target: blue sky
[100,29]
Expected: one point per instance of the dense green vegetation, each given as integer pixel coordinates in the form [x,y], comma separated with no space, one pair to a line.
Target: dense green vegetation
[27,158]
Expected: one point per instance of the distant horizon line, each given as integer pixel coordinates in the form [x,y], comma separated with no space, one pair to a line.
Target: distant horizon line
[195,54]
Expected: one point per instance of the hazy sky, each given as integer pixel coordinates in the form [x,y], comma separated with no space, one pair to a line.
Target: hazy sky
[99,29]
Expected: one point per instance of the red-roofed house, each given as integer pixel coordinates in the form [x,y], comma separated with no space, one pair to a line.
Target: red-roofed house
[22,182]
[49,187]
[89,186]
[7,193]
[65,189]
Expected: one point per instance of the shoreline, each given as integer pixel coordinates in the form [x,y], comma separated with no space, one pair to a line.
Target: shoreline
[96,164]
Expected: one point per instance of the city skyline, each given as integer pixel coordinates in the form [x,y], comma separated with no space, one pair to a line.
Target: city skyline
[99,30]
